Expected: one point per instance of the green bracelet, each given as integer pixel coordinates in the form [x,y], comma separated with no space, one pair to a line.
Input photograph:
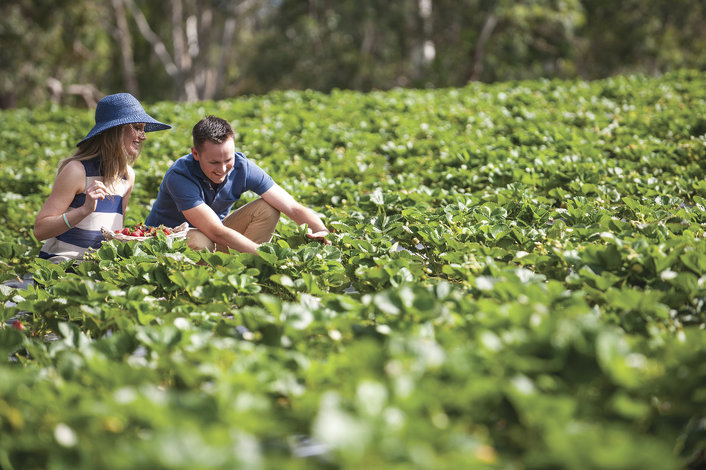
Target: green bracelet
[66,220]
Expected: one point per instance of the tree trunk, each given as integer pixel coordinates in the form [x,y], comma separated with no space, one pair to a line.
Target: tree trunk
[428,47]
[423,48]
[181,58]
[123,34]
[228,33]
[216,84]
[193,66]
[202,57]
[479,52]
[157,44]
[192,52]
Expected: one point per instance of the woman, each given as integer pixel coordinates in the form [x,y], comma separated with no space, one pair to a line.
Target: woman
[92,187]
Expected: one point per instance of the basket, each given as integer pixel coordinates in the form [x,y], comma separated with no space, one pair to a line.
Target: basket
[177,232]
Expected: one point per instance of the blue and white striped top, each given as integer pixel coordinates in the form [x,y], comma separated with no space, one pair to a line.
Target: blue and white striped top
[74,243]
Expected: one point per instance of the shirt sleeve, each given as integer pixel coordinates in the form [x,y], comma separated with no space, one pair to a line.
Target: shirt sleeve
[257,181]
[185,193]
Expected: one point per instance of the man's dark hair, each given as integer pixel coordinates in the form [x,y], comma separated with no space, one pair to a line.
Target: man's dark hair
[211,128]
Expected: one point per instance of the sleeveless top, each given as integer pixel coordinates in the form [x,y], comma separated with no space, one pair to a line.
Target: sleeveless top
[75,242]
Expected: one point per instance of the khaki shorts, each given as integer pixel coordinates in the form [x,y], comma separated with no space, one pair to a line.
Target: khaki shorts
[257,220]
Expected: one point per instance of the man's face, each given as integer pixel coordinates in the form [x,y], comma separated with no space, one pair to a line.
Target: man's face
[215,160]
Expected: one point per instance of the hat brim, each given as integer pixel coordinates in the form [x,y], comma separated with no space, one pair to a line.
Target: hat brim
[151,125]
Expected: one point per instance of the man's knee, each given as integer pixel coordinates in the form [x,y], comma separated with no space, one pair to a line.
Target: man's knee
[198,241]
[263,222]
[266,211]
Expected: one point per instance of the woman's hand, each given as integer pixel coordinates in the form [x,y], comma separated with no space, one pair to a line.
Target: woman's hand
[94,192]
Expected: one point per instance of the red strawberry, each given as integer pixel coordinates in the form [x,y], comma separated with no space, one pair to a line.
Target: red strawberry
[16,324]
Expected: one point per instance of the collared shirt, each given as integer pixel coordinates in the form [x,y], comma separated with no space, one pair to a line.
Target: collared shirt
[185,186]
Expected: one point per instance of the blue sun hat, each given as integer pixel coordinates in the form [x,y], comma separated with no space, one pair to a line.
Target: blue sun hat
[119,109]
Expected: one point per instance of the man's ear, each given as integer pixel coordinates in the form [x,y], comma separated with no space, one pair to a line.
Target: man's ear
[195,153]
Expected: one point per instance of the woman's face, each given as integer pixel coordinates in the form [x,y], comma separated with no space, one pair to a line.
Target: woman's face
[132,138]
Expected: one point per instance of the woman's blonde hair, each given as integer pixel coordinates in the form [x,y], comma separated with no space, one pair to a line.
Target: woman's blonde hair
[114,158]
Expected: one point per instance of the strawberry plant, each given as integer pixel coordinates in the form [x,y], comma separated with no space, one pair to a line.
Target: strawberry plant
[516,279]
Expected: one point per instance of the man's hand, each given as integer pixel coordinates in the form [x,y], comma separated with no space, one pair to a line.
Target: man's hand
[207,222]
[320,236]
[285,203]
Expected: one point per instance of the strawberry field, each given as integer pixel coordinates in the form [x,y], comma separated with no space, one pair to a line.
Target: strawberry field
[517,280]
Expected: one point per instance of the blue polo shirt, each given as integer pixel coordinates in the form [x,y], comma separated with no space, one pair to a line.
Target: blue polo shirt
[185,186]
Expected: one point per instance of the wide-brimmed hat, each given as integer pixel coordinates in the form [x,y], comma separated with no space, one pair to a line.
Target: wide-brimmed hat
[119,109]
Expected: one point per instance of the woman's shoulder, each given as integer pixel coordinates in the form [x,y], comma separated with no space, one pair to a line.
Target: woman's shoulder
[72,176]
[73,169]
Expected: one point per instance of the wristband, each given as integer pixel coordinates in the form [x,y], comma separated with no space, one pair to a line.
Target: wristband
[66,220]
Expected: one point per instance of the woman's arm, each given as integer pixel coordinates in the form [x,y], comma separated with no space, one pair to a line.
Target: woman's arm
[70,182]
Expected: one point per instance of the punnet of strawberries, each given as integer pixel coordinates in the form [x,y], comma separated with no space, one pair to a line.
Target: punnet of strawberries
[141,230]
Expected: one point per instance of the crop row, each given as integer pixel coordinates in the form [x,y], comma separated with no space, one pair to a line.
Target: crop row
[516,280]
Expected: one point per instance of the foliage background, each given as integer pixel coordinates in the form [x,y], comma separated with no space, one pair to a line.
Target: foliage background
[73,52]
[516,281]
[518,272]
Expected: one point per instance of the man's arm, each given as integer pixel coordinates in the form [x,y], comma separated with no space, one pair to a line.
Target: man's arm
[285,203]
[203,218]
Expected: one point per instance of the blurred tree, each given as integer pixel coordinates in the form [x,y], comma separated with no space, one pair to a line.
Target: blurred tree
[325,44]
[51,49]
[196,46]
[633,36]
[538,40]
[505,40]
[73,51]
[373,44]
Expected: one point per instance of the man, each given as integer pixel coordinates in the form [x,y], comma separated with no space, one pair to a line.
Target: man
[201,188]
